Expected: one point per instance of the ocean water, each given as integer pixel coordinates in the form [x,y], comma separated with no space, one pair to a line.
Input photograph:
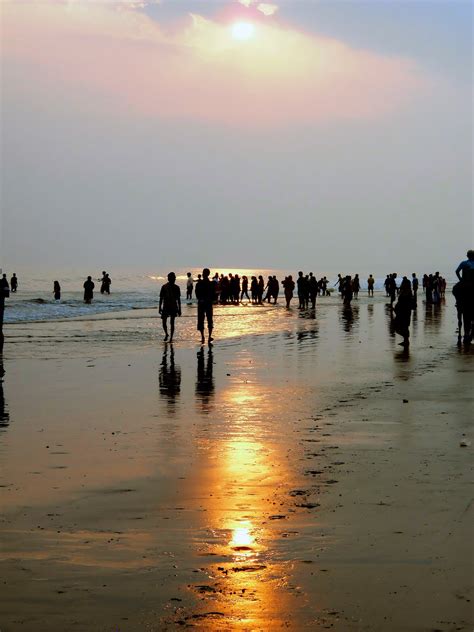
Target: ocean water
[135,290]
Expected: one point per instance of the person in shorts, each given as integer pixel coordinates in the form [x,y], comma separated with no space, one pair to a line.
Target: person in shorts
[170,304]
[205,291]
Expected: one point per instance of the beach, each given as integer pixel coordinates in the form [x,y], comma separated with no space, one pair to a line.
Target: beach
[304,473]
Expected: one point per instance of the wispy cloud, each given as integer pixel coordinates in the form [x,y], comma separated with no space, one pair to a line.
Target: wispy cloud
[198,70]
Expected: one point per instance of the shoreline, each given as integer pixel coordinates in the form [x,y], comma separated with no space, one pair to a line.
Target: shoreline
[264,482]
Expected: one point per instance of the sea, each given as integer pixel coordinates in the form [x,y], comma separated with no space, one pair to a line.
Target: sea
[136,290]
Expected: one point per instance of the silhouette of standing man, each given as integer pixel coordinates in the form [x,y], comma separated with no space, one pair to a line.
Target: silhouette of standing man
[205,293]
[89,286]
[170,304]
[14,283]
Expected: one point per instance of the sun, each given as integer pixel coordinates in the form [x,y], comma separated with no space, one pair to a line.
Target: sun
[243,30]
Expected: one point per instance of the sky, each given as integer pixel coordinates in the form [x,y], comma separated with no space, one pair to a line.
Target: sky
[282,134]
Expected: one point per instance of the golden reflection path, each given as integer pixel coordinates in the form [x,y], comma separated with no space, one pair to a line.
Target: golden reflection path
[248,583]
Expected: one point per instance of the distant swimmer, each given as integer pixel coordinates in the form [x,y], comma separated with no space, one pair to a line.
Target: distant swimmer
[189,286]
[170,304]
[205,293]
[57,291]
[106,282]
[370,285]
[102,282]
[89,286]
[14,283]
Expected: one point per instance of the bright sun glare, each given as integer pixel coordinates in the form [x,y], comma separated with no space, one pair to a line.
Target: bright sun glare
[243,30]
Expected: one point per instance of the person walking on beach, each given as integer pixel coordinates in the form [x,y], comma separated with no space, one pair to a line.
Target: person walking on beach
[313,289]
[347,291]
[289,286]
[356,286]
[370,285]
[414,287]
[301,286]
[189,287]
[14,283]
[57,291]
[245,288]
[89,286]
[205,293]
[403,311]
[392,287]
[170,304]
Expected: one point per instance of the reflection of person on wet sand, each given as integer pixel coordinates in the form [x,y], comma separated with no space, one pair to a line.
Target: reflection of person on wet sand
[170,304]
[4,416]
[403,311]
[169,377]
[204,379]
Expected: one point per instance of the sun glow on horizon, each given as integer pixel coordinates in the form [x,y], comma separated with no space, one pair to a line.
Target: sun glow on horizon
[243,30]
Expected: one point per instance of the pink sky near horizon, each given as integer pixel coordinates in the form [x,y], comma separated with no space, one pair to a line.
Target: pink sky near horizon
[196,70]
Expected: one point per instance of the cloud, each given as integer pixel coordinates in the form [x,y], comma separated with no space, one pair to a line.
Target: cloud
[267,9]
[197,70]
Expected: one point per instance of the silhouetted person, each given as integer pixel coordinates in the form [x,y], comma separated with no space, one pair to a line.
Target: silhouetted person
[464,294]
[289,287]
[107,284]
[254,289]
[260,289]
[414,287]
[102,282]
[170,304]
[392,287]
[205,294]
[4,293]
[370,285]
[189,286]
[403,311]
[347,291]
[313,289]
[4,286]
[245,288]
[14,283]
[57,291]
[356,286]
[89,286]
[301,288]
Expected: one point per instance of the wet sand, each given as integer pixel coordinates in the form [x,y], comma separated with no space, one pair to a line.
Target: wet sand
[305,473]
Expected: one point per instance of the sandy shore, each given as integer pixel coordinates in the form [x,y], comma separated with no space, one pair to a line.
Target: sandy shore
[305,473]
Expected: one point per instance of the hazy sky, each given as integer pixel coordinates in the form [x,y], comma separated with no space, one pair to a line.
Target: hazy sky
[286,134]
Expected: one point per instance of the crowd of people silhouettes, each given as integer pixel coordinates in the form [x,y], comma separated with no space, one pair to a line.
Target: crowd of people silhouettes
[232,289]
